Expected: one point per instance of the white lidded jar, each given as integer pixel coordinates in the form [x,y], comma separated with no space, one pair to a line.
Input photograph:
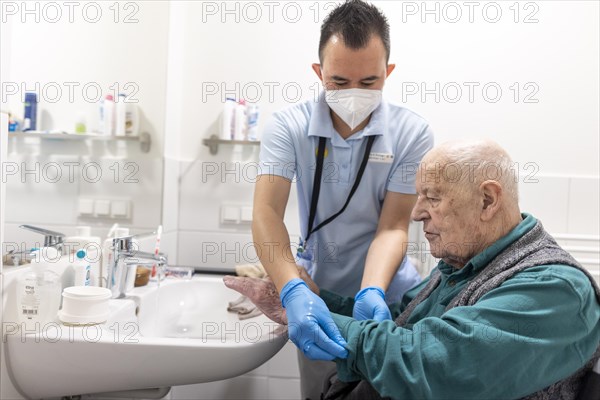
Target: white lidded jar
[84,305]
[39,292]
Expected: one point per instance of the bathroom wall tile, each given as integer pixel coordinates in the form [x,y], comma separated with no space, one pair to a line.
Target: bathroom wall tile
[284,388]
[139,180]
[219,249]
[44,196]
[46,186]
[170,203]
[212,249]
[285,363]
[584,206]
[208,184]
[243,387]
[168,245]
[546,198]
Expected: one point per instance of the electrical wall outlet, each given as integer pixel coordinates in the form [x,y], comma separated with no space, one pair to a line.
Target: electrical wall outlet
[104,208]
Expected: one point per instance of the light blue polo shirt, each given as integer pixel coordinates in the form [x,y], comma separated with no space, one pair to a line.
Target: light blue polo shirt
[336,254]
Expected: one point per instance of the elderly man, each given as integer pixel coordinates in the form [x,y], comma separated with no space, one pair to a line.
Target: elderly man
[505,314]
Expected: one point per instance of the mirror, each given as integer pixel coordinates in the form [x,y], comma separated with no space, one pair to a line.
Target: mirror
[73,56]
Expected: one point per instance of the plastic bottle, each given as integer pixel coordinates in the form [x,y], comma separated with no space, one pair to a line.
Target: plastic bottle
[121,114]
[253,114]
[132,120]
[13,124]
[100,129]
[39,292]
[80,127]
[228,119]
[240,121]
[30,118]
[109,115]
[92,245]
[82,269]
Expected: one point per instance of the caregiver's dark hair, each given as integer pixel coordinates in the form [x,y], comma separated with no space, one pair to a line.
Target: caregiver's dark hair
[355,21]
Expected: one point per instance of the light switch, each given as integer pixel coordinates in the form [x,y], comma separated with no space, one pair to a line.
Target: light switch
[230,215]
[246,214]
[102,208]
[119,208]
[85,207]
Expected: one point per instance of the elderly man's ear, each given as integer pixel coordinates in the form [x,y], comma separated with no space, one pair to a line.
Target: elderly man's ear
[492,196]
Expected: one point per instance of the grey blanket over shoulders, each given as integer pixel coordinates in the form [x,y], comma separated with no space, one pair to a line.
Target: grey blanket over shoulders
[533,249]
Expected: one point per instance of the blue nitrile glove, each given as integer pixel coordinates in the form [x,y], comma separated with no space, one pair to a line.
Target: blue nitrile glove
[369,303]
[310,325]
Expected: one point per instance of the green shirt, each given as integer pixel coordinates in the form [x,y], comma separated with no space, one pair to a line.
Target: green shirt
[535,329]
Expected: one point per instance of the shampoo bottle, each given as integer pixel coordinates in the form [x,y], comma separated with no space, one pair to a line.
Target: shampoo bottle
[39,292]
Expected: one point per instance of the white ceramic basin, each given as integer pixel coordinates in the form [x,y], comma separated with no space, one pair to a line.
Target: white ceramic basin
[182,334]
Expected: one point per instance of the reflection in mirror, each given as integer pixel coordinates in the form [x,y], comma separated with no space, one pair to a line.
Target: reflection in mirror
[72,68]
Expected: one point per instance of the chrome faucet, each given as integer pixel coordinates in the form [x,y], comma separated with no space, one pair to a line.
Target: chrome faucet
[125,253]
[51,239]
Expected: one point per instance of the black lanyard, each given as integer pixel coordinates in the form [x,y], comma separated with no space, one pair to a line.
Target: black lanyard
[317,188]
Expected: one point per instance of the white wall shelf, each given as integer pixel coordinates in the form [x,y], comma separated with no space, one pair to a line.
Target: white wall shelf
[214,142]
[143,138]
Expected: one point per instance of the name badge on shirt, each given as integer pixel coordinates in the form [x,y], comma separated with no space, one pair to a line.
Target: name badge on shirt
[386,158]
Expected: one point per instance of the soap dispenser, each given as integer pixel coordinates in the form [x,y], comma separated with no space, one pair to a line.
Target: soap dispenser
[39,292]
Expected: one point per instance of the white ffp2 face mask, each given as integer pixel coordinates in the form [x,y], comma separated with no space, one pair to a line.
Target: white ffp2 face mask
[353,106]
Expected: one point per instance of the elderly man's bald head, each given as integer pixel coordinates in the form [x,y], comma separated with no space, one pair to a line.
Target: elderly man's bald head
[467,198]
[467,164]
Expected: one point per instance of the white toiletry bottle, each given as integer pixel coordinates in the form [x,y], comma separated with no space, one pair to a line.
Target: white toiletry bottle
[39,292]
[240,121]
[228,119]
[252,116]
[132,120]
[92,245]
[109,115]
[121,115]
[82,269]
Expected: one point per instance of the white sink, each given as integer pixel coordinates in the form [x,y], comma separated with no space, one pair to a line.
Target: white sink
[182,334]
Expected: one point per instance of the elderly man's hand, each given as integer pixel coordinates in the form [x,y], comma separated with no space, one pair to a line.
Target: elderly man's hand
[261,292]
